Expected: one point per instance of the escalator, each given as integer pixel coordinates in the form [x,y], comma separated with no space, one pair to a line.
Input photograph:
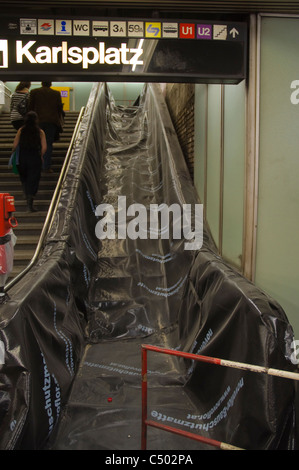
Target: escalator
[74,326]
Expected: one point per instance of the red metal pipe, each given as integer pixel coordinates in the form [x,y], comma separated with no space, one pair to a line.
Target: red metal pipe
[226,363]
[195,437]
[210,360]
[145,421]
[174,352]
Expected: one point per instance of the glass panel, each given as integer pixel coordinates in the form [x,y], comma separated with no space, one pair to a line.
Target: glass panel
[125,94]
[213,163]
[233,190]
[278,222]
[200,139]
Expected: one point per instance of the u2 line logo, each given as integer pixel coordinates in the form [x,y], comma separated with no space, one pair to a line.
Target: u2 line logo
[64,54]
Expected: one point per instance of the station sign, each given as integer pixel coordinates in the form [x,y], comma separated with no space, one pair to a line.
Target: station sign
[122,49]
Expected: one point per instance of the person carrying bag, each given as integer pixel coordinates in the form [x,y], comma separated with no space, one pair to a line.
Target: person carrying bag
[31,143]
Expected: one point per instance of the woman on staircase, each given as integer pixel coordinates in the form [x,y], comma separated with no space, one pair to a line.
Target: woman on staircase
[31,143]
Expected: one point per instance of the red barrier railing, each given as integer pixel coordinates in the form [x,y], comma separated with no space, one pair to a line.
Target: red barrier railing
[206,359]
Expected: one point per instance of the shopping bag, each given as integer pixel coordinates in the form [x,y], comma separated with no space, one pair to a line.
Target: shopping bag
[7,244]
[14,161]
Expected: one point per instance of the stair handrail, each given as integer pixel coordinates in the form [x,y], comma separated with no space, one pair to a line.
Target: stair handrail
[52,208]
[5,91]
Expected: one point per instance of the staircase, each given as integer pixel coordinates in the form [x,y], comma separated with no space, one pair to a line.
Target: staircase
[30,224]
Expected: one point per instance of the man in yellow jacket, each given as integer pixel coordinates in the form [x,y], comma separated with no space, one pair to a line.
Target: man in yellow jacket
[47,103]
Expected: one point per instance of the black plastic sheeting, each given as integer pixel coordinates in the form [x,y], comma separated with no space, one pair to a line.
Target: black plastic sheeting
[74,326]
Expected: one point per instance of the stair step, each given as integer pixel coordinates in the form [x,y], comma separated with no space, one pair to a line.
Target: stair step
[42,182]
[23,255]
[57,145]
[68,128]
[9,133]
[27,239]
[26,242]
[68,115]
[4,169]
[29,228]
[43,194]
[21,205]
[38,216]
[57,153]
[48,178]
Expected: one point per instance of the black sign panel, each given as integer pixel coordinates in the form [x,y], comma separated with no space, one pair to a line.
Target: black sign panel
[122,50]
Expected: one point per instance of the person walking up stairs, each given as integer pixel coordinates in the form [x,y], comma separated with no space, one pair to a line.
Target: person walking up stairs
[30,144]
[30,224]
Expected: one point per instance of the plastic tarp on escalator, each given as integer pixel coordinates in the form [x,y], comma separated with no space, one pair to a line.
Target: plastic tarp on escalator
[74,326]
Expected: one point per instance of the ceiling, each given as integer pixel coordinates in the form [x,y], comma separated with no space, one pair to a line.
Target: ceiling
[153,8]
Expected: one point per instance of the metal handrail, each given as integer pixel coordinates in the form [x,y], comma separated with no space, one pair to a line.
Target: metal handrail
[7,92]
[53,206]
[6,89]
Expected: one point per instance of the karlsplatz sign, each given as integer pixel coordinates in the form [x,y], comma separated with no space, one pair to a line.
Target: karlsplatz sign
[118,50]
[85,56]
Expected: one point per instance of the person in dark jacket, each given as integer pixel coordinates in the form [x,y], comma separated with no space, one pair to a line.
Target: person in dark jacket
[31,141]
[47,103]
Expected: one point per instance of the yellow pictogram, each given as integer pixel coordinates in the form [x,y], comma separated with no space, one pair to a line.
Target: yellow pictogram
[152,30]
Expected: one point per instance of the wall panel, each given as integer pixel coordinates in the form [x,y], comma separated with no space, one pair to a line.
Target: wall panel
[277,259]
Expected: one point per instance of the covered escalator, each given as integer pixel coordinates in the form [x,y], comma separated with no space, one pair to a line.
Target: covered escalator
[74,326]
